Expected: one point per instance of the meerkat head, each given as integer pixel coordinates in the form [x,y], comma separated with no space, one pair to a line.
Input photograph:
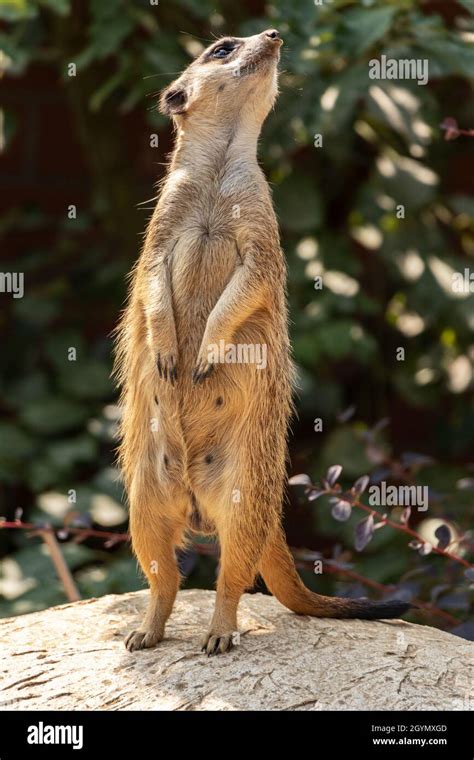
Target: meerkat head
[233,77]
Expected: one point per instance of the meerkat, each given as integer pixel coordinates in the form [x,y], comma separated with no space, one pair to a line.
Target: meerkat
[204,441]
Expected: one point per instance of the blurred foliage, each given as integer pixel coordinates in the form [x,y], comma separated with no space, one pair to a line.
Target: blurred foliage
[387,280]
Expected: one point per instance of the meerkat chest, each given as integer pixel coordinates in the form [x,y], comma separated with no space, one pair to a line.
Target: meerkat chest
[204,255]
[201,265]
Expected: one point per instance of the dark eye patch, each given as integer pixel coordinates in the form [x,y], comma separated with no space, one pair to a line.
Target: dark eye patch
[221,52]
[222,49]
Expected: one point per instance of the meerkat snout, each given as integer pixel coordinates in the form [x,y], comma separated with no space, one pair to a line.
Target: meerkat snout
[274,34]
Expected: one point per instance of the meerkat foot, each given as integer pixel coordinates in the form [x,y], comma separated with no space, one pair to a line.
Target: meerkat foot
[142,640]
[214,643]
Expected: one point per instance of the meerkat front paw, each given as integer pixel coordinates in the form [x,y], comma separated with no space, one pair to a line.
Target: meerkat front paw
[167,368]
[203,369]
[142,640]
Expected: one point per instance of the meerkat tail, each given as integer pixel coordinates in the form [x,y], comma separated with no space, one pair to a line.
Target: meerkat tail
[278,570]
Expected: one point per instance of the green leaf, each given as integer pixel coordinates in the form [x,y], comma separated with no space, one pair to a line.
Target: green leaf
[53,415]
[65,454]
[412,183]
[61,7]
[298,203]
[16,447]
[362,28]
[58,345]
[340,338]
[36,310]
[450,56]
[103,92]
[31,387]
[349,87]
[200,8]
[109,30]
[115,577]
[85,379]
[468,5]
[16,10]
[30,578]
[462,204]
[345,447]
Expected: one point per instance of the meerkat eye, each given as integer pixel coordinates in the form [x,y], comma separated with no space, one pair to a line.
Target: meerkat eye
[222,51]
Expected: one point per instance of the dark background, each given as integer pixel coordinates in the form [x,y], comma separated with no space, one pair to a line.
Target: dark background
[85,140]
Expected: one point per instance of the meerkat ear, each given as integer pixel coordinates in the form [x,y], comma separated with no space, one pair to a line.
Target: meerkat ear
[173,100]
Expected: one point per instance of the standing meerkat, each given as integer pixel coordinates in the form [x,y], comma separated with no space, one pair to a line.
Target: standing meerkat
[204,441]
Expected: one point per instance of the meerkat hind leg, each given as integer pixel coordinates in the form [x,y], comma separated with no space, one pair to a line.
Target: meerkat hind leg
[155,549]
[240,552]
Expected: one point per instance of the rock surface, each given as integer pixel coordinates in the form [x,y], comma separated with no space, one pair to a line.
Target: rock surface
[73,657]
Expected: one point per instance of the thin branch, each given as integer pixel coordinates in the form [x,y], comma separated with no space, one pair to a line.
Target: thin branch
[408,531]
[350,497]
[83,533]
[452,130]
[57,558]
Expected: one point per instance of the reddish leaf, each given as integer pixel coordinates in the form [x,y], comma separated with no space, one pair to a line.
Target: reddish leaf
[364,531]
[360,485]
[300,480]
[341,510]
[450,126]
[333,474]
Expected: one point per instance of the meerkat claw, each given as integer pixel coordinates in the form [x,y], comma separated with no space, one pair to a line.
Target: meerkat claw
[214,644]
[201,372]
[141,640]
[167,369]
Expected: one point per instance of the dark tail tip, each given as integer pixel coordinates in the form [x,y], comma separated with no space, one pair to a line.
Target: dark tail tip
[368,610]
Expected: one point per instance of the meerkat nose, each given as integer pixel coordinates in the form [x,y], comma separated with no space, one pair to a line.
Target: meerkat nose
[273,34]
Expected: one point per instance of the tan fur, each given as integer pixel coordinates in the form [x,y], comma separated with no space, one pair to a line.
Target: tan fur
[204,447]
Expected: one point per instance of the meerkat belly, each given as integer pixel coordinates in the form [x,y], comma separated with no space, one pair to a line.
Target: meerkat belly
[210,415]
[201,266]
